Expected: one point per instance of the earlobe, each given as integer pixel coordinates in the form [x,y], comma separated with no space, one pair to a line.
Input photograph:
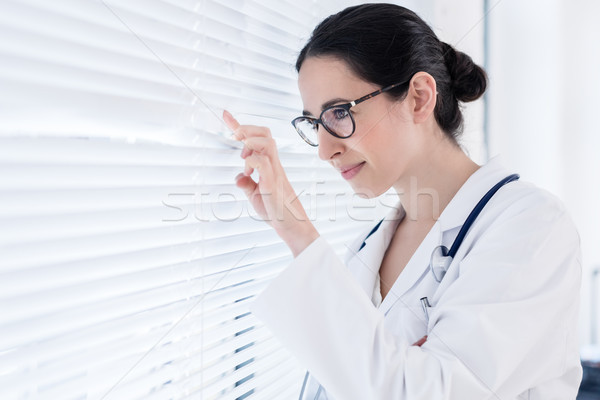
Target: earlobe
[423,91]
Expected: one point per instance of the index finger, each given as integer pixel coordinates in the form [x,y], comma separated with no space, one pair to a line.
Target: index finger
[231,122]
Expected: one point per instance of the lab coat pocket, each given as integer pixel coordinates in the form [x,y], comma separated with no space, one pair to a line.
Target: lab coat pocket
[407,322]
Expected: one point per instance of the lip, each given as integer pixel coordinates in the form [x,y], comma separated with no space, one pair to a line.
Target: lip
[348,167]
[350,171]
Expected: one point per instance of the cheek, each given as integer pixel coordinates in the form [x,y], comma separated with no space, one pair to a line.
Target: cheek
[390,152]
[385,145]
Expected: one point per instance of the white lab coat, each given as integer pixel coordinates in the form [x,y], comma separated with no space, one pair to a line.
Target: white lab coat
[502,323]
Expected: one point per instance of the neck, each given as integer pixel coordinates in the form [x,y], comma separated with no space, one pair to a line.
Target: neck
[427,188]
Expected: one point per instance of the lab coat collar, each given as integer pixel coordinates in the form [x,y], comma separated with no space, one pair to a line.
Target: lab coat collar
[476,186]
[365,264]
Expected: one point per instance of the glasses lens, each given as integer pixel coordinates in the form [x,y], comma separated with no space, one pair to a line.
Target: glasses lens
[307,129]
[339,121]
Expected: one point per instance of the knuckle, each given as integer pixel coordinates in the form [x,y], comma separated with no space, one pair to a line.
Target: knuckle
[262,144]
[268,145]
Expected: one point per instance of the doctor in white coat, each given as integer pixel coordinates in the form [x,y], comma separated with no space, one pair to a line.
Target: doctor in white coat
[469,287]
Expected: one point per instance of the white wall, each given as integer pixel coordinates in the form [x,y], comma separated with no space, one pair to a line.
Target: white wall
[544,64]
[460,23]
[580,131]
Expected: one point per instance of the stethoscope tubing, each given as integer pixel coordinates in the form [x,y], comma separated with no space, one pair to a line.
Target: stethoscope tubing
[476,211]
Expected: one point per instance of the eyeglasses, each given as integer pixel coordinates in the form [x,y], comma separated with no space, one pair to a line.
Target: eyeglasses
[337,120]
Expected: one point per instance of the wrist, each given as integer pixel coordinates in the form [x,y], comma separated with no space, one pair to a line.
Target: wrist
[300,239]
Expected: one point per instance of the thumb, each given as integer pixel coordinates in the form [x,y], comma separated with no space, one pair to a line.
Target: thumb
[245,183]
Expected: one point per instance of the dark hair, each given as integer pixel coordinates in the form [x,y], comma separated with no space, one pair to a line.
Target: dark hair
[386,44]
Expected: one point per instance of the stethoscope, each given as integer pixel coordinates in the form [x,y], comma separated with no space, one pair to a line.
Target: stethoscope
[441,257]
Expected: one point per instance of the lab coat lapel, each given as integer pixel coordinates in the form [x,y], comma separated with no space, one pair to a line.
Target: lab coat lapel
[364,263]
[412,273]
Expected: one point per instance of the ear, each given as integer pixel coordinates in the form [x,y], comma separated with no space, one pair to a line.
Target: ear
[423,93]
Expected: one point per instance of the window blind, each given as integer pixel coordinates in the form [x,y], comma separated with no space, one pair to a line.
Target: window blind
[128,257]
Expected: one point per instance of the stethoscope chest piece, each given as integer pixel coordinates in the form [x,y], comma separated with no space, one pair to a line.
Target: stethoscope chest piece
[439,262]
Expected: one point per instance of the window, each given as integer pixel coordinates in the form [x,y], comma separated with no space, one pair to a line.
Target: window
[127,255]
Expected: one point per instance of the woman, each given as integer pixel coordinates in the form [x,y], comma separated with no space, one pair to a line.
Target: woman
[492,317]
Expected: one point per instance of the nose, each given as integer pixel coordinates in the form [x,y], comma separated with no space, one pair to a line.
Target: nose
[329,146]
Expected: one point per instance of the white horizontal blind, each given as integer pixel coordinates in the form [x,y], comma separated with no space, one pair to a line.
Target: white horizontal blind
[128,257]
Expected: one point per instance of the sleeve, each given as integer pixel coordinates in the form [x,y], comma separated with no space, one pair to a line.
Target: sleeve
[519,282]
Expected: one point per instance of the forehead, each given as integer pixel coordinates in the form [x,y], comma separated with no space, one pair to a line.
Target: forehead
[324,78]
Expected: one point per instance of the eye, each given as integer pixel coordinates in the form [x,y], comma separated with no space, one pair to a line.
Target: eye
[340,113]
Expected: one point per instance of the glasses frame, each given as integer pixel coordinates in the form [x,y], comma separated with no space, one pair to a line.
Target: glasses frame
[345,106]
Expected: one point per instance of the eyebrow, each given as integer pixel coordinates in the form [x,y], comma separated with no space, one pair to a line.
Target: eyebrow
[327,104]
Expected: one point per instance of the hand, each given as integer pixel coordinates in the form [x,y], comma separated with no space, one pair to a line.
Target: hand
[272,197]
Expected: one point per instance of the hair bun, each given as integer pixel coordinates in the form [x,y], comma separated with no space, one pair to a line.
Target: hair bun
[469,80]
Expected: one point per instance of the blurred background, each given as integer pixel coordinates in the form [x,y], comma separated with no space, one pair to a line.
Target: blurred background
[128,256]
